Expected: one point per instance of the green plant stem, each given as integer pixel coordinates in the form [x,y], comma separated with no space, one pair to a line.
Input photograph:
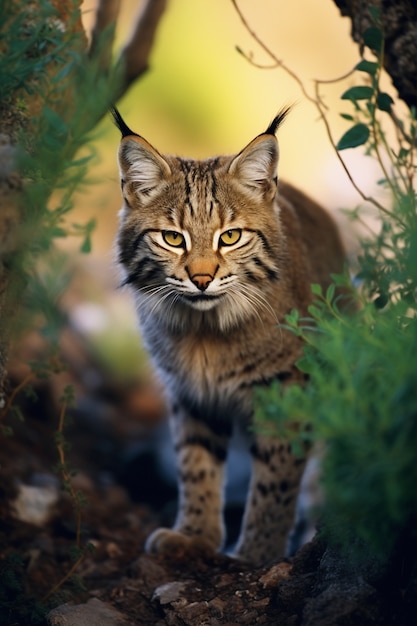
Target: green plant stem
[66,476]
[63,580]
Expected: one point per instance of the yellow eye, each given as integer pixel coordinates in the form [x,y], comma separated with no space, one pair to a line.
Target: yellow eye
[172,238]
[229,237]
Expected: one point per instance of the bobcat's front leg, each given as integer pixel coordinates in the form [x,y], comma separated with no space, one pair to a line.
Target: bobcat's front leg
[201,454]
[271,503]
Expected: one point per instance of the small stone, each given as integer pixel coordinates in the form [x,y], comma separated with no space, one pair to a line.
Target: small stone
[195,613]
[148,570]
[276,574]
[216,606]
[113,550]
[170,593]
[93,613]
[34,505]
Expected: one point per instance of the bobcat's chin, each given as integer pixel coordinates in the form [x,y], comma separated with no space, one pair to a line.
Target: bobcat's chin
[203,302]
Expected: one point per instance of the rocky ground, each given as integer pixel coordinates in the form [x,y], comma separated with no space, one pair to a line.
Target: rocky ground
[112,446]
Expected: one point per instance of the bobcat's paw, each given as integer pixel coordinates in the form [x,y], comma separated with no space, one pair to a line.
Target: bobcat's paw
[174,543]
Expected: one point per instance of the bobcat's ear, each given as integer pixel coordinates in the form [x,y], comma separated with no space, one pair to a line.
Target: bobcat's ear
[256,166]
[141,164]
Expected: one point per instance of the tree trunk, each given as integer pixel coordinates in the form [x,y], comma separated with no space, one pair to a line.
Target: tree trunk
[19,107]
[399,23]
[40,40]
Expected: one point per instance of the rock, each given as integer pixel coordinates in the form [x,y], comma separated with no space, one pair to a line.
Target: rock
[343,593]
[170,593]
[93,613]
[148,571]
[343,603]
[35,504]
[276,574]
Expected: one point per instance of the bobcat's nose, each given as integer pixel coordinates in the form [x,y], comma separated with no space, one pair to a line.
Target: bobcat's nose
[202,281]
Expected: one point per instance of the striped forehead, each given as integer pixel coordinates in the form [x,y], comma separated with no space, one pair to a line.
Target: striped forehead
[200,189]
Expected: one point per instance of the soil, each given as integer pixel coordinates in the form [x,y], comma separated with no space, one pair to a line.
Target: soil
[111,445]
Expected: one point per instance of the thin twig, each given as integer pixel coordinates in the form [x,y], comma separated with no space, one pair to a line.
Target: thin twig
[27,379]
[64,578]
[316,101]
[261,44]
[66,475]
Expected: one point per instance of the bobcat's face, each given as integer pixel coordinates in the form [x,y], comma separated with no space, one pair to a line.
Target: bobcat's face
[200,234]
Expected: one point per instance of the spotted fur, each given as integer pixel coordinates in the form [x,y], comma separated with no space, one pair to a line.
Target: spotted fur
[216,254]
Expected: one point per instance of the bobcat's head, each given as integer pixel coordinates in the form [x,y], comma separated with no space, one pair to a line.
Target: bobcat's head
[200,235]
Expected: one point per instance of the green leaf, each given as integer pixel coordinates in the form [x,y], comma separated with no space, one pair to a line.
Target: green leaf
[345,116]
[86,245]
[370,67]
[57,231]
[403,153]
[355,136]
[306,365]
[55,122]
[372,37]
[314,311]
[292,318]
[340,280]
[384,102]
[361,92]
[316,289]
[330,292]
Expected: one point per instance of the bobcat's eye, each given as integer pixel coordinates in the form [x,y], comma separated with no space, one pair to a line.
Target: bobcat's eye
[230,237]
[172,238]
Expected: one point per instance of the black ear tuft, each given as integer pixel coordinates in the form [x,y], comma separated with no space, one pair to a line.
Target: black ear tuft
[121,124]
[277,121]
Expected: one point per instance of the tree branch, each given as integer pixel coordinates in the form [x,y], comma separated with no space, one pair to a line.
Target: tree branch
[106,19]
[134,56]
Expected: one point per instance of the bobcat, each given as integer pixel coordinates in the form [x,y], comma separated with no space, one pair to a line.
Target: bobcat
[216,254]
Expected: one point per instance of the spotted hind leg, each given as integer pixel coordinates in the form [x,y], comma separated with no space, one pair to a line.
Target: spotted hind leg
[271,503]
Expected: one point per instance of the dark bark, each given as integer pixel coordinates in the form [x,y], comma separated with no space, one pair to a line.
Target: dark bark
[399,22]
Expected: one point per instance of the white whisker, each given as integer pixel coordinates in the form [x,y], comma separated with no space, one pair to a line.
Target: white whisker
[262,301]
[160,301]
[153,295]
[247,299]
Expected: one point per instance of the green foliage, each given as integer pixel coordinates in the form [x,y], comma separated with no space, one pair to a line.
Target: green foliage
[361,397]
[57,95]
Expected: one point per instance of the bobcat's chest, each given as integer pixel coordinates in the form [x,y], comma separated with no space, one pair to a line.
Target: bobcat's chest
[201,363]
[213,377]
[200,374]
